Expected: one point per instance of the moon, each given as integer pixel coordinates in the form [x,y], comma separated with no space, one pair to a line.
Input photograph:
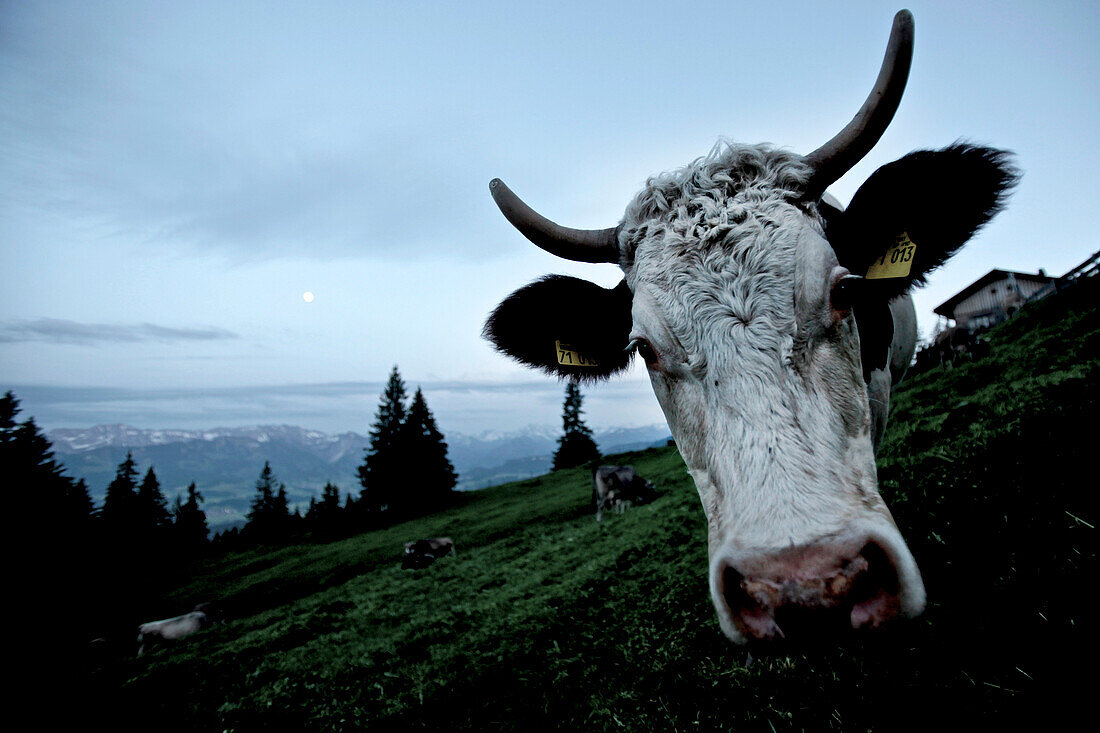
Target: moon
[307,296]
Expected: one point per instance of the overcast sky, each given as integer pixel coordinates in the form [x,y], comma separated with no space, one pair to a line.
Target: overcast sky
[175,176]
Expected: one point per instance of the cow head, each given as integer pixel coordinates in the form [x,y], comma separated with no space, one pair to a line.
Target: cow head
[741,282]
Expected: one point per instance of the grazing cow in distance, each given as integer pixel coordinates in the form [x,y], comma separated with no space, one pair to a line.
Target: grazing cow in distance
[949,347]
[170,629]
[773,323]
[619,488]
[959,342]
[420,554]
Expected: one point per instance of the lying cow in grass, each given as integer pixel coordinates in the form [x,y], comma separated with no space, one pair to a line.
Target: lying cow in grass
[170,629]
[420,554]
[619,488]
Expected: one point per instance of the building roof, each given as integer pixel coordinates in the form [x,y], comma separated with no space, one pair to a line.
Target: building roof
[947,308]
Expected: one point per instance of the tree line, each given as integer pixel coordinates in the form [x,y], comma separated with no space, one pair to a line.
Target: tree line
[88,570]
[137,514]
[131,512]
[405,473]
[113,563]
[117,560]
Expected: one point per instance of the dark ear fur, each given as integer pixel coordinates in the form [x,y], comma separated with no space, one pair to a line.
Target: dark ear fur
[593,321]
[940,198]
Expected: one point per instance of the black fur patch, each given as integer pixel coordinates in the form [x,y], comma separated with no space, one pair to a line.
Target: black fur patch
[940,198]
[876,335]
[593,321]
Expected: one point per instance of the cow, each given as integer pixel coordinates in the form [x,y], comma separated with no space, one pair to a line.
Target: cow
[773,323]
[619,488]
[958,343]
[420,554]
[170,629]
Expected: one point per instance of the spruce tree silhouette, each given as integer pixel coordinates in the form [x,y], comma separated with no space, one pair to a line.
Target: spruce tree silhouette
[120,506]
[9,408]
[152,507]
[326,517]
[386,456]
[435,476]
[269,515]
[79,506]
[44,491]
[576,445]
[61,559]
[330,501]
[190,521]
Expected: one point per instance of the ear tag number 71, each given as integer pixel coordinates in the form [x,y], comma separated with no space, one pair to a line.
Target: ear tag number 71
[896,262]
[568,357]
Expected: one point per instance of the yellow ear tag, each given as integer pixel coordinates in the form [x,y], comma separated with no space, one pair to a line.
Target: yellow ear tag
[568,357]
[897,261]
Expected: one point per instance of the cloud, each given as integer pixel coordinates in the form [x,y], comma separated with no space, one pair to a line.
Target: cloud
[54,330]
[123,146]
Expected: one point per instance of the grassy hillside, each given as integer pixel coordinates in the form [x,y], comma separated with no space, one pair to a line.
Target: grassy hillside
[546,619]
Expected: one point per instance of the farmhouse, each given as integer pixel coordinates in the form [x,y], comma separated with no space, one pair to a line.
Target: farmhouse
[992,298]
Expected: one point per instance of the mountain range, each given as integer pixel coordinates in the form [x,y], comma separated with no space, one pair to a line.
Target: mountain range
[225,462]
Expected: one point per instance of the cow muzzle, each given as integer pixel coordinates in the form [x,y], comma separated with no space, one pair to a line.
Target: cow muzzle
[816,590]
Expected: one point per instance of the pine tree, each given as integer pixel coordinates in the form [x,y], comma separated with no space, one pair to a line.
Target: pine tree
[152,507]
[45,487]
[281,507]
[264,500]
[436,477]
[78,503]
[380,474]
[326,515]
[269,513]
[330,500]
[60,557]
[288,523]
[120,503]
[261,508]
[576,445]
[230,539]
[190,521]
[9,408]
[44,491]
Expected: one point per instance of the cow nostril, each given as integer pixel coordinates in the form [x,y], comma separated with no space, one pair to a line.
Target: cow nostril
[732,591]
[879,575]
[749,603]
[874,598]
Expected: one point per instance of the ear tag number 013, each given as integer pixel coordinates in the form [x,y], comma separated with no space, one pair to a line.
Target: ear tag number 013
[897,261]
[568,357]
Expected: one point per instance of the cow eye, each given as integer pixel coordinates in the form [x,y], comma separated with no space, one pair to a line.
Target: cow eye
[645,350]
[845,292]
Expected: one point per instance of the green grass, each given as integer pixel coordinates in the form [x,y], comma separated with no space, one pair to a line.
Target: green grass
[546,619]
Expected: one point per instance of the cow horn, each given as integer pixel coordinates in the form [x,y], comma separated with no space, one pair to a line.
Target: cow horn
[836,157]
[579,245]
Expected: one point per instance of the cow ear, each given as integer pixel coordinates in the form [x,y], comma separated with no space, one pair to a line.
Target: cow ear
[914,214]
[565,326]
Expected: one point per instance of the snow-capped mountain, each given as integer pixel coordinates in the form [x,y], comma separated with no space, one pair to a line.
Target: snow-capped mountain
[70,440]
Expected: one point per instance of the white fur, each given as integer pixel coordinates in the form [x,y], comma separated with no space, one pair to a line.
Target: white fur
[759,380]
[170,629]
